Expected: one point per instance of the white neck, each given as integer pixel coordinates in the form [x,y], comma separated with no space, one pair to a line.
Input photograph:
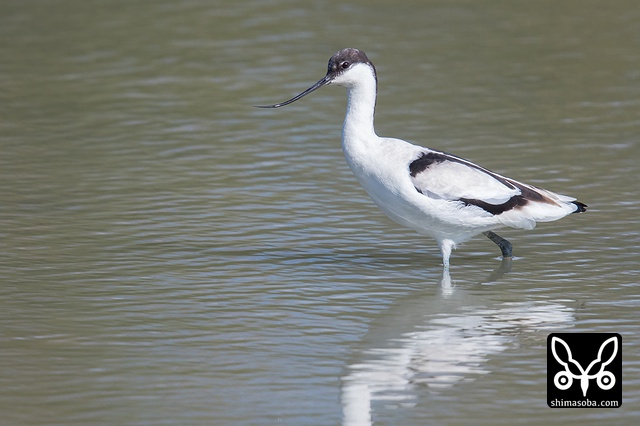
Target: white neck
[361,103]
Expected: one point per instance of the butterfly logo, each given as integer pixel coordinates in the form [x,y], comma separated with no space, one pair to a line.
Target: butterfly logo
[573,370]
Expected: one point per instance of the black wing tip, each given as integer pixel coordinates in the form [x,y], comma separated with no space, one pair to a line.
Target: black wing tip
[582,207]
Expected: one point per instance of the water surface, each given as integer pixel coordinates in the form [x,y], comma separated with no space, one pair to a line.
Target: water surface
[171,255]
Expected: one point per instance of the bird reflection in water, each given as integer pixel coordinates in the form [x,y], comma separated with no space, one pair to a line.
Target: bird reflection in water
[435,343]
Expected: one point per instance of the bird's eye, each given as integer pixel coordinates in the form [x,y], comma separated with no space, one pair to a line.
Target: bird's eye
[345,65]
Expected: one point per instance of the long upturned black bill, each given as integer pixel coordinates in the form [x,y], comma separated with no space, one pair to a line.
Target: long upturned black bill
[323,82]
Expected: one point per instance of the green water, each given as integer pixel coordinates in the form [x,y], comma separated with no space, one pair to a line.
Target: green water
[170,255]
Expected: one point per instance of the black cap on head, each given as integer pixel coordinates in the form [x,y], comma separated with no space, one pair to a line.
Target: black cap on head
[345,58]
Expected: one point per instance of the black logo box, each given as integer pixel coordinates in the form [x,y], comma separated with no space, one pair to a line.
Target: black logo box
[584,370]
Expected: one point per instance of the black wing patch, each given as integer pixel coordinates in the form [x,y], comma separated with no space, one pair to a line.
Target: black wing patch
[494,209]
[526,195]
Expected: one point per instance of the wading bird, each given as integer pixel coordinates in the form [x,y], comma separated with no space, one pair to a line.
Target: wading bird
[437,194]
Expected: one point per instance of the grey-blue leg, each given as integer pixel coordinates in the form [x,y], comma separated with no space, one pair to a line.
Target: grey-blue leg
[505,246]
